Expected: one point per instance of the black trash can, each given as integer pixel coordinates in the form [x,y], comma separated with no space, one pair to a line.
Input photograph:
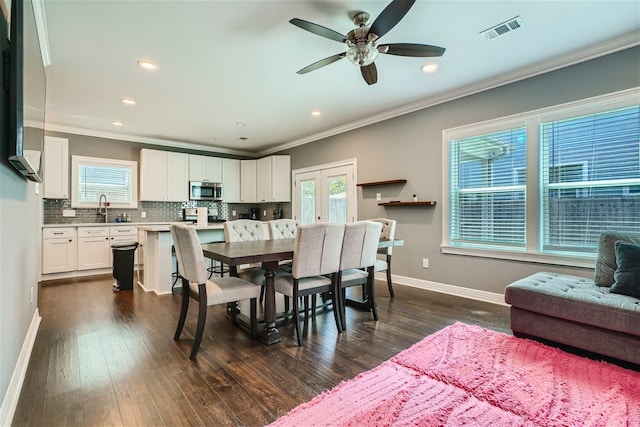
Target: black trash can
[123,253]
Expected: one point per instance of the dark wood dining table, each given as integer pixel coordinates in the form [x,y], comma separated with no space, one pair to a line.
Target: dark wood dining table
[268,253]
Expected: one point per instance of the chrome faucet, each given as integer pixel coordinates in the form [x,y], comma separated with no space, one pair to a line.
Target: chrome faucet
[102,207]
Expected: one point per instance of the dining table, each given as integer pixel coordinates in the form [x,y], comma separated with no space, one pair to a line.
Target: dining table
[268,253]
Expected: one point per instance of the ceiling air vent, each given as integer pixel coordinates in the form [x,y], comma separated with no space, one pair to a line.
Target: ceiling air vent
[502,28]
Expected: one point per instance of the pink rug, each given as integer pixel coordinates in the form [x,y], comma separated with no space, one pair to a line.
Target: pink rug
[469,376]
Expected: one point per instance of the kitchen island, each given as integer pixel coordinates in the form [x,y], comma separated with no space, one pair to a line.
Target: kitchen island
[158,265]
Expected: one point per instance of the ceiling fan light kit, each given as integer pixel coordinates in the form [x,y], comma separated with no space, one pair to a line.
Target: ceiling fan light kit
[361,41]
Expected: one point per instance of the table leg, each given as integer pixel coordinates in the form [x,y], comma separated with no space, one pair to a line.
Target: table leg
[271,335]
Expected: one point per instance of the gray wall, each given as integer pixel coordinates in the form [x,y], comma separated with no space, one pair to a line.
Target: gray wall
[19,250]
[410,147]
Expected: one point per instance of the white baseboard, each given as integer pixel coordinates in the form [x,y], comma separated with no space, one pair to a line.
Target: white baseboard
[490,297]
[10,401]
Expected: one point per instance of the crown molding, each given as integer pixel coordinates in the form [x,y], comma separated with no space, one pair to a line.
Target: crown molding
[145,140]
[615,45]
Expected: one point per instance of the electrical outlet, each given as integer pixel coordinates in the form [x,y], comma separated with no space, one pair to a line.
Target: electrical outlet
[233,213]
[264,213]
[67,213]
[378,196]
[425,262]
[143,214]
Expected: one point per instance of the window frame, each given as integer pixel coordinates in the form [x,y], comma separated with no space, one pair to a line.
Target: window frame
[533,209]
[76,161]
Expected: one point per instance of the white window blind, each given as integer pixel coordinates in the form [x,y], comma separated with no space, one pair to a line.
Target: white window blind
[92,177]
[488,189]
[590,178]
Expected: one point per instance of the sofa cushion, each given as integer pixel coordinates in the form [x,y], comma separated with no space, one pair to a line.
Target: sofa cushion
[627,275]
[577,299]
[606,258]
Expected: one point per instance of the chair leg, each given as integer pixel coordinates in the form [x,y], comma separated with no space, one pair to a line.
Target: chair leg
[314,302]
[389,284]
[183,309]
[254,318]
[202,320]
[286,306]
[296,318]
[372,294]
[262,293]
[338,304]
[306,312]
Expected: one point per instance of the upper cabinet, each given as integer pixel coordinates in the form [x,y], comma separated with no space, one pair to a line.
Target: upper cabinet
[164,176]
[231,180]
[247,181]
[205,168]
[56,168]
[273,179]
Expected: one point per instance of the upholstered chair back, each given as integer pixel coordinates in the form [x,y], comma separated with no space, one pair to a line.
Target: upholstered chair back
[244,230]
[360,244]
[191,264]
[283,228]
[388,232]
[317,249]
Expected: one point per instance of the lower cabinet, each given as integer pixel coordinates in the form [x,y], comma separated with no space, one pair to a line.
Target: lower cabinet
[67,249]
[93,248]
[59,249]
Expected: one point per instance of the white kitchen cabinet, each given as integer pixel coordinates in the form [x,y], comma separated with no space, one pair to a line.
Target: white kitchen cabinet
[94,248]
[205,168]
[121,234]
[273,179]
[59,249]
[55,168]
[231,180]
[247,181]
[164,176]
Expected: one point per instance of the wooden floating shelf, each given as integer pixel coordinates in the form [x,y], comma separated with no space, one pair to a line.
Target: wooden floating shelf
[391,181]
[427,203]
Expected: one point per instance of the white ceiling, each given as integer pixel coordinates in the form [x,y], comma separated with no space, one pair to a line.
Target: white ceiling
[224,62]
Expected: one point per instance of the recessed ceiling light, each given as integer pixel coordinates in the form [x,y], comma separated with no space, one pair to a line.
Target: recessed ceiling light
[117,123]
[128,101]
[212,139]
[147,65]
[240,124]
[429,67]
[316,113]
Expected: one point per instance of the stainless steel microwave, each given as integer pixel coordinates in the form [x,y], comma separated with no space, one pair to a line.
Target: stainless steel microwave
[199,190]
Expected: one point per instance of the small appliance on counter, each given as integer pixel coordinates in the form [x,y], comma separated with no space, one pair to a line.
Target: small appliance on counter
[254,213]
[191,215]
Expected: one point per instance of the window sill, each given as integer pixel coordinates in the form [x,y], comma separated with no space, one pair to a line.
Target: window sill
[560,260]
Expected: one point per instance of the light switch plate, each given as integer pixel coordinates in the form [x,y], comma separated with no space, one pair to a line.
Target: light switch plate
[67,213]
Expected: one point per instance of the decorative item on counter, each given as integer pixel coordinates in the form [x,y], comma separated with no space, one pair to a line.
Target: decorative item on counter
[415,198]
[202,217]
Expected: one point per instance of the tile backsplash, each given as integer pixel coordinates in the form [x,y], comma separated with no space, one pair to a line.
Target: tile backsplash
[155,211]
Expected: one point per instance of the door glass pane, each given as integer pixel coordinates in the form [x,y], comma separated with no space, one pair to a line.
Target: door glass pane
[337,198]
[308,201]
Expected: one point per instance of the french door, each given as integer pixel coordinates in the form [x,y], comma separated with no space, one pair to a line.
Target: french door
[325,193]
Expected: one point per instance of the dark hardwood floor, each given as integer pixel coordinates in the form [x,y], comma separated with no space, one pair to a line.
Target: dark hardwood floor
[105,358]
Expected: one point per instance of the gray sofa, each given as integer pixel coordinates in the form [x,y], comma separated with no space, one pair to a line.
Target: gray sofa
[589,314]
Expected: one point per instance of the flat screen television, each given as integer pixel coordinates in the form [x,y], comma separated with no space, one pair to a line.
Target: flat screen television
[26,91]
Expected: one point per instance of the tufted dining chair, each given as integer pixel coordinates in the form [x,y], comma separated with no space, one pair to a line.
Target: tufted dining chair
[388,232]
[283,228]
[195,285]
[357,262]
[247,230]
[316,255]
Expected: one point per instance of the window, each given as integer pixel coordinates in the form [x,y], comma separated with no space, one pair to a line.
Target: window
[543,186]
[92,177]
[591,178]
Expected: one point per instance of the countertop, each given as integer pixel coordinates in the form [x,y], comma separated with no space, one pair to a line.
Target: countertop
[148,226]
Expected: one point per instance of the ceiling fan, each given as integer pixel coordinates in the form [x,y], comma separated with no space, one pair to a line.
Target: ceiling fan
[361,41]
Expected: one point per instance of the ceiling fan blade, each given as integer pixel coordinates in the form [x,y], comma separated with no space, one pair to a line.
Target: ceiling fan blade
[370,73]
[322,63]
[389,17]
[319,30]
[411,49]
